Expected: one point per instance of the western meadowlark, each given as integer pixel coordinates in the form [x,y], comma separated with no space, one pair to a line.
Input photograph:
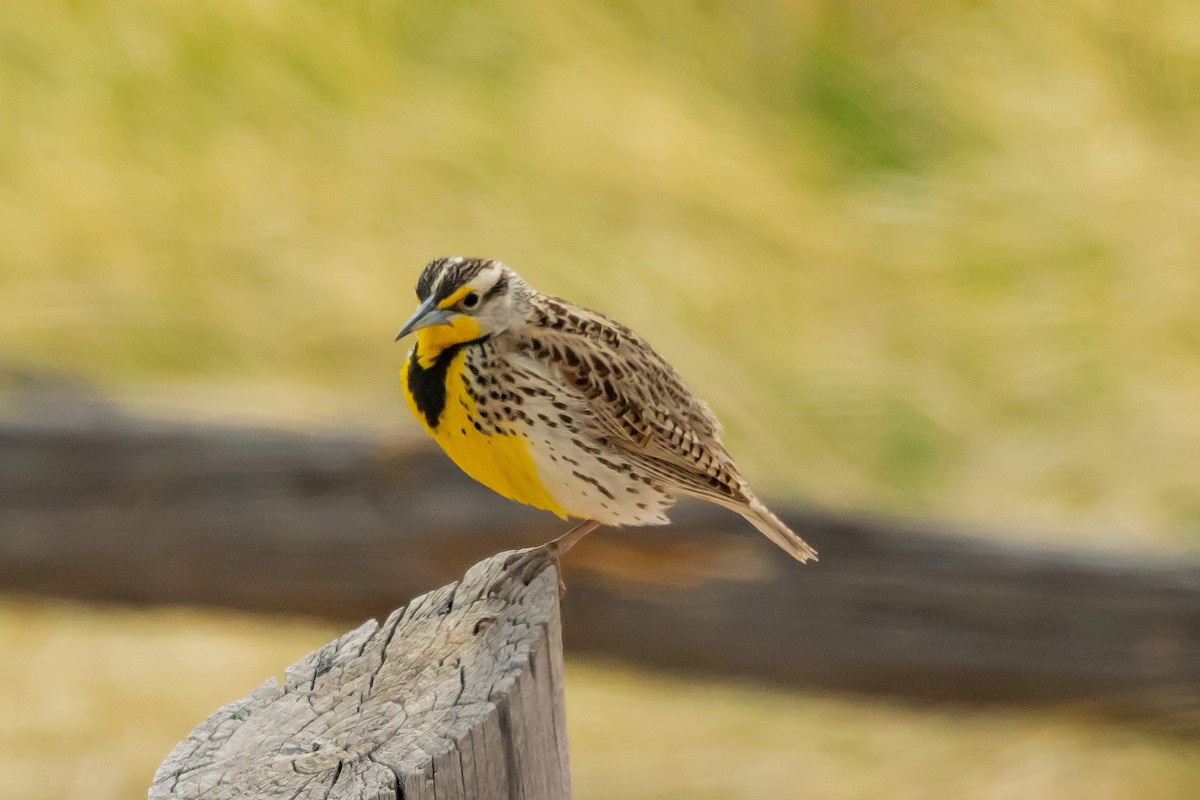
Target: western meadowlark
[563,409]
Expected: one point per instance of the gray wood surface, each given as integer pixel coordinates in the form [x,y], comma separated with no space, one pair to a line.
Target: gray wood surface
[456,696]
[344,524]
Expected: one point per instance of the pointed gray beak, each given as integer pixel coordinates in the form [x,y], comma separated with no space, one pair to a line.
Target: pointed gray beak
[427,314]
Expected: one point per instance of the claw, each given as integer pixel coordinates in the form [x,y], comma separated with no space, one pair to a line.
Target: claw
[524,566]
[528,564]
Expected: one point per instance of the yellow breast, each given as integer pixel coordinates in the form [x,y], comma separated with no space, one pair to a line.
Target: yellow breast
[500,462]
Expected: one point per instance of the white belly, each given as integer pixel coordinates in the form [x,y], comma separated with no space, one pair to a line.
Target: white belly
[587,479]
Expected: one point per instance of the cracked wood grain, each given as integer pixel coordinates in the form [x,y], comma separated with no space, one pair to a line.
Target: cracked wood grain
[457,695]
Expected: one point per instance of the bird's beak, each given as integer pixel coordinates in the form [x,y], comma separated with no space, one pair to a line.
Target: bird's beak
[427,314]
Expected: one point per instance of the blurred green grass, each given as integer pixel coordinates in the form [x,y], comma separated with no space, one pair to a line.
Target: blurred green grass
[928,258]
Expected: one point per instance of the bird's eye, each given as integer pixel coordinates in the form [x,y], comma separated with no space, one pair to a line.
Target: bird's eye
[471,300]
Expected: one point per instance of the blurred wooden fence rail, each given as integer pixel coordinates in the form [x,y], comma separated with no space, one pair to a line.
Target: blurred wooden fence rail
[341,525]
[457,696]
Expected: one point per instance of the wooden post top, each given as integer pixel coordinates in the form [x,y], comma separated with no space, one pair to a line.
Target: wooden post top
[456,695]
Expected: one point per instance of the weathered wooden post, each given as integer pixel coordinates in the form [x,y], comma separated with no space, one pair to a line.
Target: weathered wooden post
[456,695]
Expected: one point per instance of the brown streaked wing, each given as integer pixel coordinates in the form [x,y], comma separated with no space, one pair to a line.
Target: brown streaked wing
[637,401]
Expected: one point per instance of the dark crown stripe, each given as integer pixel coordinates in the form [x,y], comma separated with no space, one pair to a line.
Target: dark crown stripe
[428,278]
[443,276]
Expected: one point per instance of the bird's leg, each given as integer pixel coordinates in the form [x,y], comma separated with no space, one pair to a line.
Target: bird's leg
[525,565]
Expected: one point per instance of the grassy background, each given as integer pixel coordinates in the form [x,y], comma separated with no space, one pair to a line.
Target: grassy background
[931,257]
[922,257]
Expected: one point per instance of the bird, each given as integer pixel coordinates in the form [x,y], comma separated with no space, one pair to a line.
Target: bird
[564,409]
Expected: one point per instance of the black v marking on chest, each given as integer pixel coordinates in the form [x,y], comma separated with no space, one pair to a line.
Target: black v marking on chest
[428,384]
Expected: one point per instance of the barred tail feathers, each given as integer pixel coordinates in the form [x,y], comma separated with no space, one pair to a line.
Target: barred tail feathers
[773,528]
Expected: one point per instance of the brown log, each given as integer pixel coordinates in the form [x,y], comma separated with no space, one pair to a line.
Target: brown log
[456,696]
[341,525]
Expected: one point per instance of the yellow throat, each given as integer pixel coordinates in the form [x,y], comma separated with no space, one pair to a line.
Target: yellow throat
[433,379]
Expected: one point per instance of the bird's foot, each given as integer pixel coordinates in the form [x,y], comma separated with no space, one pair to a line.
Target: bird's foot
[524,565]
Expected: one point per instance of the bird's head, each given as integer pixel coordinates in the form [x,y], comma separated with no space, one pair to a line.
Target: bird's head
[462,300]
